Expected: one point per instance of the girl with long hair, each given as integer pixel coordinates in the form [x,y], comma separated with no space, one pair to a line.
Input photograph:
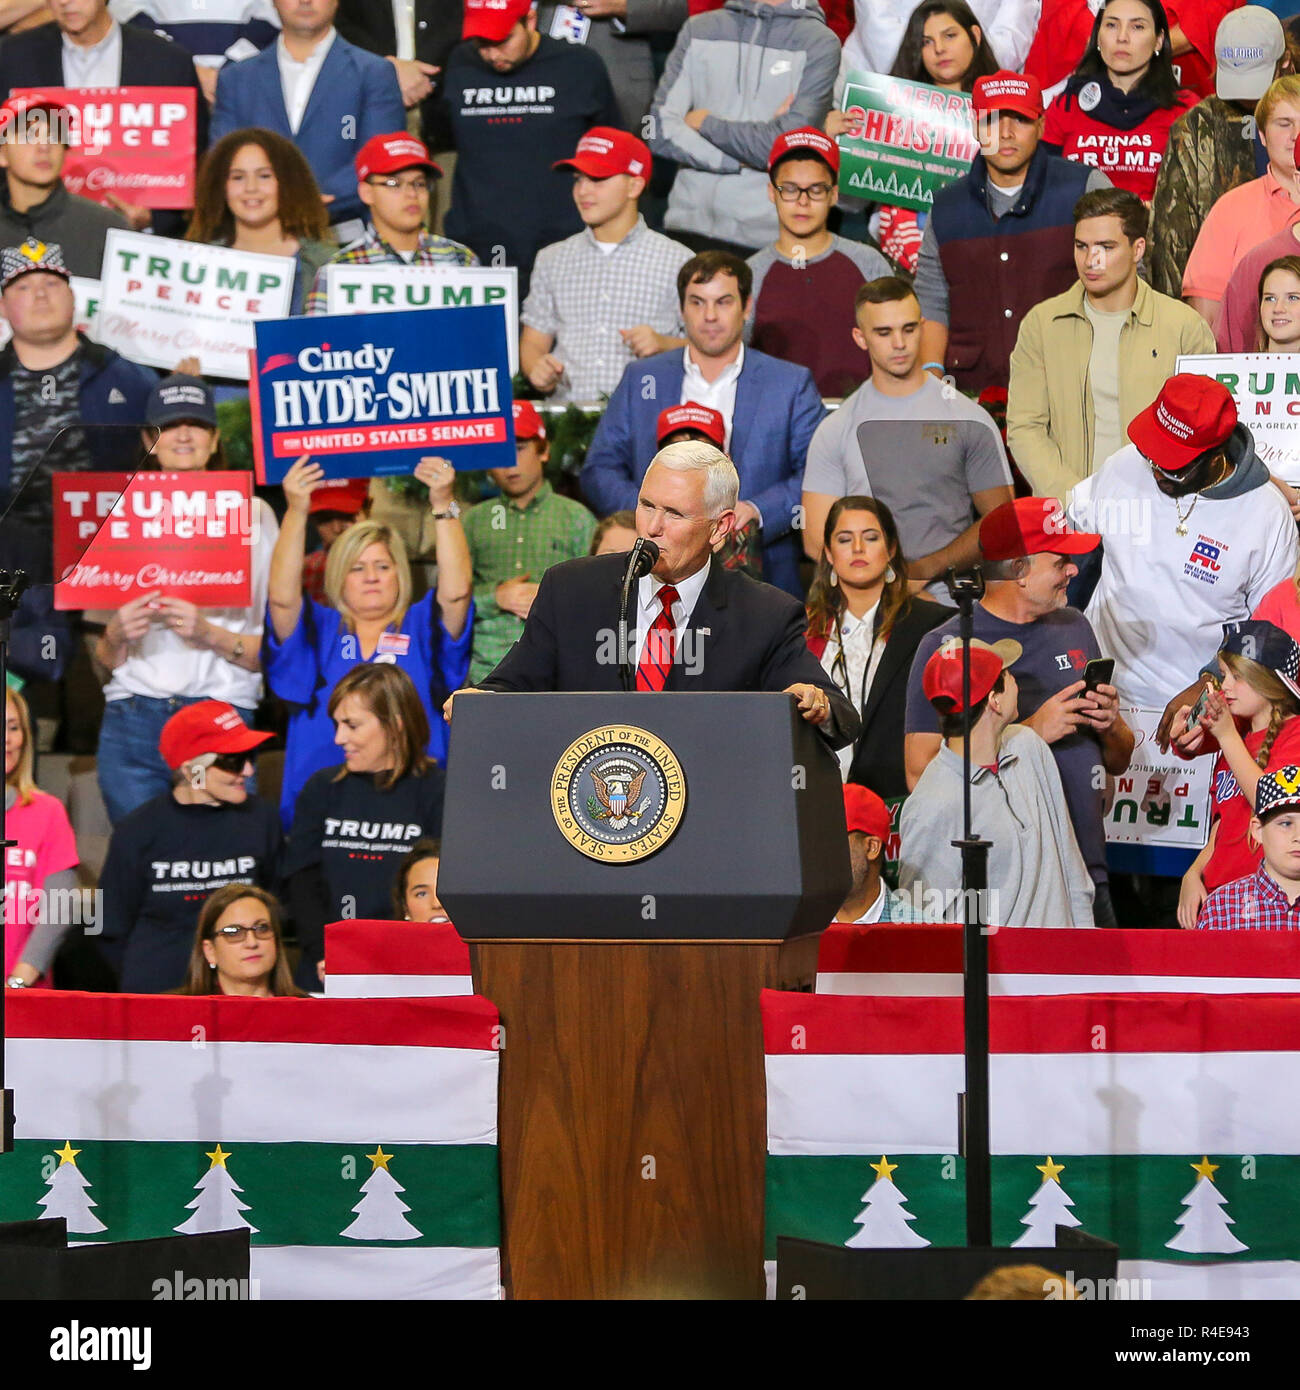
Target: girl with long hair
[1250,722]
[239,946]
[864,626]
[1279,306]
[254,191]
[1118,106]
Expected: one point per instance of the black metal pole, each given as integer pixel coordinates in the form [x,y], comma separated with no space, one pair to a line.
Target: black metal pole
[966,590]
[11,591]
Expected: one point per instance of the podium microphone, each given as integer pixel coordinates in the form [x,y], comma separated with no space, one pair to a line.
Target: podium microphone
[644,557]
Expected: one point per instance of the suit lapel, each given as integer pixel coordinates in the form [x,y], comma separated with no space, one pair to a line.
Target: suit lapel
[701,633]
[748,393]
[330,76]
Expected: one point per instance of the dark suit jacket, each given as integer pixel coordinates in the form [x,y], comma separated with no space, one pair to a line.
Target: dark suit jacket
[369,25]
[878,753]
[749,636]
[34,58]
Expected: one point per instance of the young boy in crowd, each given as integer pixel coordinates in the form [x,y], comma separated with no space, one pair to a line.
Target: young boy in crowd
[1036,874]
[1268,899]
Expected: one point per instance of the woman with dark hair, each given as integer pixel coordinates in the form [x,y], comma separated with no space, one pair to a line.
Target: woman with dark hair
[254,191]
[355,822]
[882,27]
[415,889]
[864,627]
[1279,306]
[239,947]
[1117,108]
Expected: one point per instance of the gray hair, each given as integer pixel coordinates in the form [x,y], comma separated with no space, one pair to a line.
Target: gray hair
[722,483]
[997,571]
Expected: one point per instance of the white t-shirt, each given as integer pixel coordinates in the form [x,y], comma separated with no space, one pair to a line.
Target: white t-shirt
[1162,599]
[161,664]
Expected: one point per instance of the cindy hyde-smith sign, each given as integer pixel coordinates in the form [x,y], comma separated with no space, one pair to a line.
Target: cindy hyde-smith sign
[163,300]
[117,537]
[384,288]
[369,395]
[1266,389]
[137,143]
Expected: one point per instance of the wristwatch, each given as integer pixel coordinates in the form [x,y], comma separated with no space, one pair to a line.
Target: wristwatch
[237,651]
[452,512]
[15,982]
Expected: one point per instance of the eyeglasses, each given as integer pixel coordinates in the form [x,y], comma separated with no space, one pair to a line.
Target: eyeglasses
[407,185]
[233,763]
[263,931]
[817,192]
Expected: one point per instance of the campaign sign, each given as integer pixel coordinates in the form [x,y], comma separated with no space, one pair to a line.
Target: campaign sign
[906,140]
[189,534]
[1266,389]
[385,287]
[137,143]
[1161,799]
[370,395]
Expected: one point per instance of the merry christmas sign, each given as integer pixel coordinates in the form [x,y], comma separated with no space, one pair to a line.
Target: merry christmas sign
[1160,1122]
[355,1139]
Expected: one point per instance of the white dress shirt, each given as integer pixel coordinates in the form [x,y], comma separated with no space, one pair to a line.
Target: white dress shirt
[100,65]
[648,608]
[862,653]
[298,80]
[719,394]
[404,27]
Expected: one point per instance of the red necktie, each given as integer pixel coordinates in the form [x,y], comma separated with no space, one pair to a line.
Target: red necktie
[657,654]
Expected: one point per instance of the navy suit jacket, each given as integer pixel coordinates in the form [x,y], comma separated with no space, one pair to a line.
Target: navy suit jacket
[356,96]
[777,410]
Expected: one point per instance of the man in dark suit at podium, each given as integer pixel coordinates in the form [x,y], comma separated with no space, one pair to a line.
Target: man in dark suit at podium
[692,624]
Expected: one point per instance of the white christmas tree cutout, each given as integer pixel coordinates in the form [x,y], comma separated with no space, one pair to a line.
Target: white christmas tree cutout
[1049,1208]
[1204,1222]
[217,1207]
[67,1196]
[380,1211]
[882,1220]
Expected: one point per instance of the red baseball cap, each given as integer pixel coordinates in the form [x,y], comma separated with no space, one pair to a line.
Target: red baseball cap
[209,728]
[1190,415]
[603,152]
[807,143]
[1029,526]
[16,108]
[942,674]
[1008,91]
[865,811]
[691,416]
[528,423]
[493,19]
[387,154]
[347,497]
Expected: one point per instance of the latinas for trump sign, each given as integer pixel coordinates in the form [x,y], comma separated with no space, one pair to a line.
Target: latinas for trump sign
[906,139]
[163,300]
[135,143]
[1266,389]
[189,534]
[370,395]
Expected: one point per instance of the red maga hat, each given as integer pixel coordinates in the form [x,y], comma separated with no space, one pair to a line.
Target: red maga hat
[806,142]
[348,496]
[528,423]
[1008,91]
[493,19]
[942,675]
[209,727]
[865,811]
[1029,526]
[691,416]
[603,152]
[1191,415]
[387,154]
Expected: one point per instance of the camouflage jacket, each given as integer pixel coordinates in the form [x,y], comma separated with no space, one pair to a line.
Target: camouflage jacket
[1211,149]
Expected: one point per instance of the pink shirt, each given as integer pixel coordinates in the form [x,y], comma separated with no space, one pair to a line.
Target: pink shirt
[45,845]
[1281,607]
[1238,327]
[1240,220]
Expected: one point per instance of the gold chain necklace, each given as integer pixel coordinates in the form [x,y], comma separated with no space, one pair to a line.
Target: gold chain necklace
[1181,528]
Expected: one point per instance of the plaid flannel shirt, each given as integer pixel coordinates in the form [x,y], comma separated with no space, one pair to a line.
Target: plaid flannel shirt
[371,250]
[1251,903]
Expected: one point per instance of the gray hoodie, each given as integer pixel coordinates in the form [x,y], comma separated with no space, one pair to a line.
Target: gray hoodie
[741,64]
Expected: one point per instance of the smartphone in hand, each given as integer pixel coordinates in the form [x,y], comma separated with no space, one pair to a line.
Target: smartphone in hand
[1097,672]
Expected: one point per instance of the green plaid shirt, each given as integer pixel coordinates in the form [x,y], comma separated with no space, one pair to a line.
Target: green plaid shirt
[506,542]
[370,250]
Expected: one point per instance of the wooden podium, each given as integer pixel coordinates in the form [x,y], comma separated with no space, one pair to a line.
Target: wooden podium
[632,1114]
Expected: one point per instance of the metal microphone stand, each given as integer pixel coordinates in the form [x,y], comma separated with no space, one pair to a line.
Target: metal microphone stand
[973,1105]
[11,592]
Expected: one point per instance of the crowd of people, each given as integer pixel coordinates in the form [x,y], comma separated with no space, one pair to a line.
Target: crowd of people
[990,382]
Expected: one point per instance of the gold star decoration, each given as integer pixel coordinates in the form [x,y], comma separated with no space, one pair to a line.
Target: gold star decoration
[219,1156]
[1205,1168]
[67,1154]
[883,1169]
[1051,1169]
[379,1159]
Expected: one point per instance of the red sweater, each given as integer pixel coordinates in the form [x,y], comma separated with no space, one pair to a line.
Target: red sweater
[1129,158]
[1234,856]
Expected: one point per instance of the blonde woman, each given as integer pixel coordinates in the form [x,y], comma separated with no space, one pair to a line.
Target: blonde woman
[310,646]
[40,866]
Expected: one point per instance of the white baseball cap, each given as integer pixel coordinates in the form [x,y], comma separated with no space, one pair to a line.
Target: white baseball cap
[1247,46]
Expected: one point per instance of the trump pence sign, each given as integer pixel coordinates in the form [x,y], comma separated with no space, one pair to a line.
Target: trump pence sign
[370,395]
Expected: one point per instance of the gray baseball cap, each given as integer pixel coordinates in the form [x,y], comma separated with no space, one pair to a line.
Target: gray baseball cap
[1247,46]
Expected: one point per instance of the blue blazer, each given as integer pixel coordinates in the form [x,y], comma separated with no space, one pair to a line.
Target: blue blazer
[777,410]
[356,96]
